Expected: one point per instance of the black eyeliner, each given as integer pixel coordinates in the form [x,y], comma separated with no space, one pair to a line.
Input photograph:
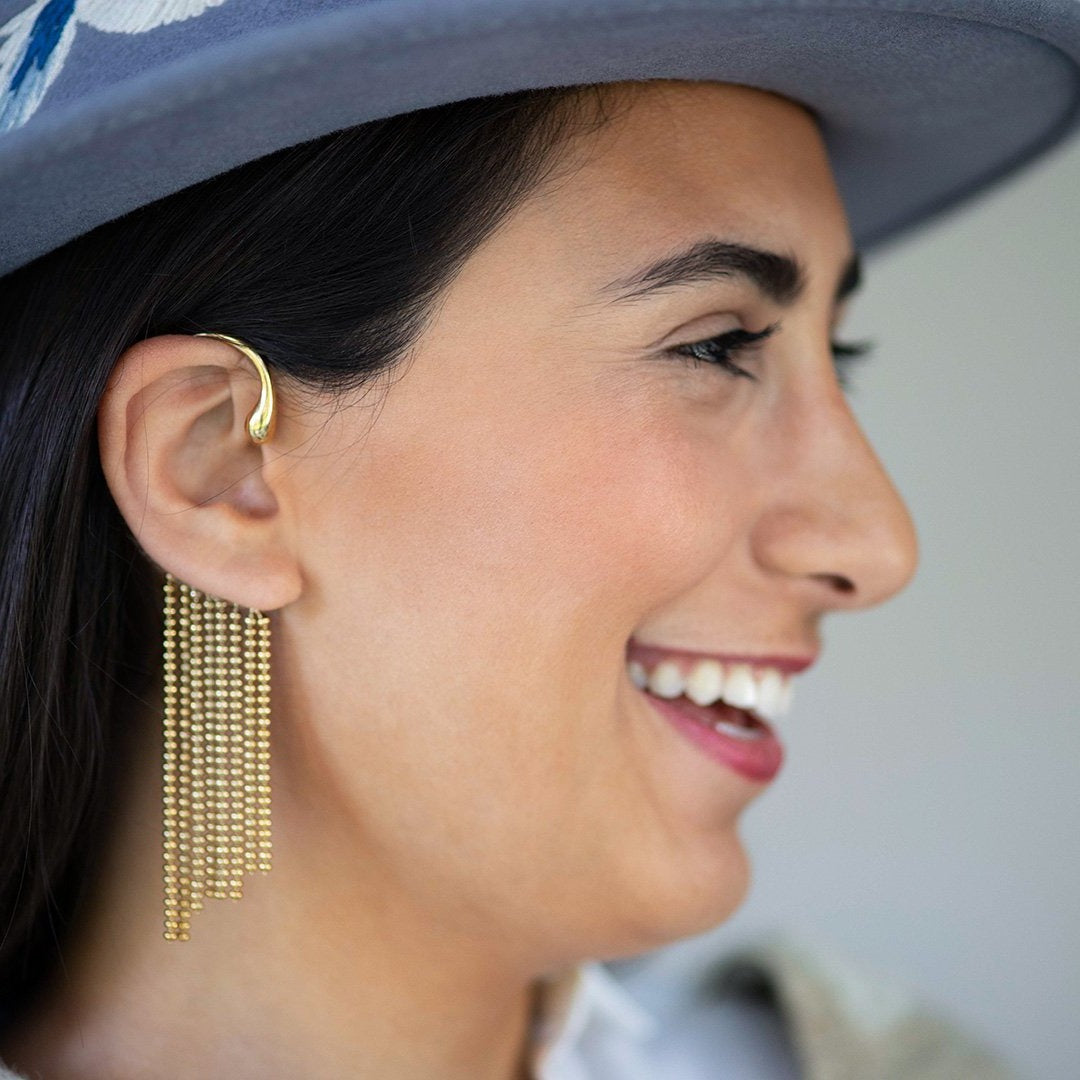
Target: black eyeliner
[718,350]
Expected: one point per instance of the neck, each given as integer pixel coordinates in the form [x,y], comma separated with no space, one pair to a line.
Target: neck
[325,963]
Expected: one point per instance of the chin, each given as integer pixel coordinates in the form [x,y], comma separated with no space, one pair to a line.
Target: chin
[688,900]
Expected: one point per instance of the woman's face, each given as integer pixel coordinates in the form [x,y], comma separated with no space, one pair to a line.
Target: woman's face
[547,484]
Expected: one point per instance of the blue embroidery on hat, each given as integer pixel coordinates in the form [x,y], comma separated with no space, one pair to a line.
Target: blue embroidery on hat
[44,35]
[35,43]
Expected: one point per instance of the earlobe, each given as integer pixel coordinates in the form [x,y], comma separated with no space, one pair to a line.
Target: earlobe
[186,474]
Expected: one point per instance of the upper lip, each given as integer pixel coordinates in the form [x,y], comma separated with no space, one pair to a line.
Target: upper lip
[652,654]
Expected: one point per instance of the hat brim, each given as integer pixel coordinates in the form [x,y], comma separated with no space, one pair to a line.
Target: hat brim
[922,105]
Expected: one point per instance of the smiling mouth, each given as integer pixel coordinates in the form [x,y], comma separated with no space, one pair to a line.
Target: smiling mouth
[722,705]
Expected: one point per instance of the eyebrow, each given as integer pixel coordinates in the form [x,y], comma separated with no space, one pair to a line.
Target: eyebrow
[782,278]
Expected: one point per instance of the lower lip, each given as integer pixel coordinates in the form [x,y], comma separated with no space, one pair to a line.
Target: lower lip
[756,759]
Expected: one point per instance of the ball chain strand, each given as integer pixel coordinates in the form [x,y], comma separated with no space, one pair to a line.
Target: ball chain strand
[174,926]
[196,693]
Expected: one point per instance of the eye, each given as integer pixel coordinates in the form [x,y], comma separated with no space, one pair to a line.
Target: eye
[721,349]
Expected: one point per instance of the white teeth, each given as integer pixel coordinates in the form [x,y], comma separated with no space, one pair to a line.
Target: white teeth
[705,683]
[666,680]
[770,693]
[638,675]
[740,687]
[767,691]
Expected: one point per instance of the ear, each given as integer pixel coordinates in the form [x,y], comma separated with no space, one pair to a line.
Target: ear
[197,493]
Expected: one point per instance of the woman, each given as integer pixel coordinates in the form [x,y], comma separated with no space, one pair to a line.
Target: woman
[558,452]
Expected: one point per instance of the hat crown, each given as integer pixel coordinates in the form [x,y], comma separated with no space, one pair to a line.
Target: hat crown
[106,105]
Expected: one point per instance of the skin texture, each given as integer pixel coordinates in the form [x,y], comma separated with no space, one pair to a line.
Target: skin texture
[469,791]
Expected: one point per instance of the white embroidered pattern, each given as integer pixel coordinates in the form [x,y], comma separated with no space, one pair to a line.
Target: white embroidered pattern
[35,43]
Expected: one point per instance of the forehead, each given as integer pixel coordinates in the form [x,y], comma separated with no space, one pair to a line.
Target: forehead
[677,160]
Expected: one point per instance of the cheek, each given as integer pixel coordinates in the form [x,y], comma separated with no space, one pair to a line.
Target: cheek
[494,551]
[529,520]
[630,519]
[589,524]
[477,593]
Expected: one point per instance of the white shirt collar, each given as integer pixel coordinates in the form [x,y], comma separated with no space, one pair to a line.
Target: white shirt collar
[588,996]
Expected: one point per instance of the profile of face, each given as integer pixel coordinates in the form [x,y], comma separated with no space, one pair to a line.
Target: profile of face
[460,565]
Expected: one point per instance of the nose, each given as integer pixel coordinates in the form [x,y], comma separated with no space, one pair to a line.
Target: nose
[833,523]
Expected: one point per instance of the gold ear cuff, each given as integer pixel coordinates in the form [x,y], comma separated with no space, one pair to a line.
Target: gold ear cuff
[261,421]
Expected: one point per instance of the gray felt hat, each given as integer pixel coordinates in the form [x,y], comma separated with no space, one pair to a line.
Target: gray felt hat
[109,104]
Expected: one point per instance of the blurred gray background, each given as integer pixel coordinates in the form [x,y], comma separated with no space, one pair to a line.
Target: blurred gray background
[927,819]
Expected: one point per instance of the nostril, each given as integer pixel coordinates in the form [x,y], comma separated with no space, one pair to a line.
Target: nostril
[838,582]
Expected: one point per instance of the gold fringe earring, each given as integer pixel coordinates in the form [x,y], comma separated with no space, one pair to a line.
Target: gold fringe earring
[217,751]
[216,759]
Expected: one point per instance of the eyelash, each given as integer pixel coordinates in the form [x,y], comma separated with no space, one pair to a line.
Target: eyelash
[720,349]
